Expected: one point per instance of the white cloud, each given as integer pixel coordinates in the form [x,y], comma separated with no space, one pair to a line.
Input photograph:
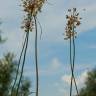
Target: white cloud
[79,79]
[66,78]
[82,78]
[52,68]
[55,64]
[64,83]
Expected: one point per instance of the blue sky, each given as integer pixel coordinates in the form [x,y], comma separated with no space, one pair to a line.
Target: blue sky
[53,51]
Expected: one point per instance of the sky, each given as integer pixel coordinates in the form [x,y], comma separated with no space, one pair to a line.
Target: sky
[53,50]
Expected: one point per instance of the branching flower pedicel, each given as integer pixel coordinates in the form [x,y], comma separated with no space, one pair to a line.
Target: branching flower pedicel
[31,8]
[73,21]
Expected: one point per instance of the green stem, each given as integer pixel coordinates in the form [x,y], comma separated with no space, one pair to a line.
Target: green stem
[36,58]
[17,72]
[74,63]
[22,69]
[71,68]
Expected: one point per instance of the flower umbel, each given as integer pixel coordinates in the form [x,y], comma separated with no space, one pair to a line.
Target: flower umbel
[73,21]
[31,8]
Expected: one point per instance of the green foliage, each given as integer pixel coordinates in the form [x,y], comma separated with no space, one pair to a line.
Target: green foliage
[90,85]
[7,74]
[24,90]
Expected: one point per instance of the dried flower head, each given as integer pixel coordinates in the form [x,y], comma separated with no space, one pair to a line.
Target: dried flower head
[73,21]
[27,24]
[31,8]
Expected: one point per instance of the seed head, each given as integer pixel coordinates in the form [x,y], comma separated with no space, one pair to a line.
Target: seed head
[31,8]
[73,21]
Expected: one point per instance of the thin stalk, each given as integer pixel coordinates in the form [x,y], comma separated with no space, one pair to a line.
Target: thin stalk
[36,58]
[74,63]
[17,72]
[71,67]
[22,69]
[74,57]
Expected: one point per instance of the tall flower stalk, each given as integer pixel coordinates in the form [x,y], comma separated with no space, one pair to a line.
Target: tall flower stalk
[36,58]
[73,21]
[31,8]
